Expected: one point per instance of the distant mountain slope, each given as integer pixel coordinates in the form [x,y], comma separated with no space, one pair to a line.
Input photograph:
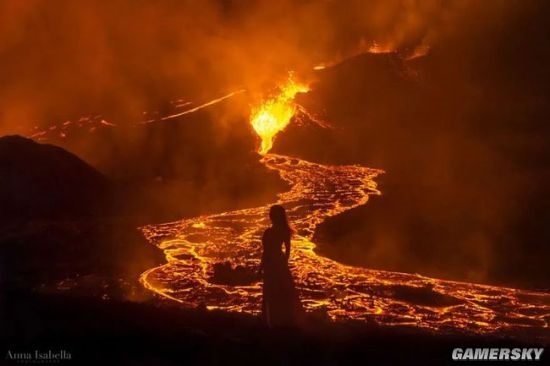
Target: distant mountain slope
[465,149]
[46,181]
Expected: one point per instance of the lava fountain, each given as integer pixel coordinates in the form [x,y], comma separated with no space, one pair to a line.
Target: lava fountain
[194,247]
[273,115]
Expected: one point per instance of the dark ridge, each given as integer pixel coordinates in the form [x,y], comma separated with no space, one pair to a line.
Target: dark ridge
[46,181]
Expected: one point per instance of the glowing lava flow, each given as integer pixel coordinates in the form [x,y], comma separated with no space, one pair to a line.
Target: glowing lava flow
[194,246]
[202,106]
[364,47]
[95,122]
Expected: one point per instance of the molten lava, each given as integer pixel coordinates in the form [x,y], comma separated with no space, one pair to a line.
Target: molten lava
[195,246]
[202,106]
[274,114]
[364,47]
[93,123]
[376,47]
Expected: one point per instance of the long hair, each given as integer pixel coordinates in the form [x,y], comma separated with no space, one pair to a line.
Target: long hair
[278,217]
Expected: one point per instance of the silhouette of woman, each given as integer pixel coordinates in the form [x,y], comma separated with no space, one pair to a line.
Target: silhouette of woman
[281,305]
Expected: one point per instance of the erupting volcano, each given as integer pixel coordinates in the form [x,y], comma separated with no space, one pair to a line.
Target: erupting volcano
[314,182]
[195,246]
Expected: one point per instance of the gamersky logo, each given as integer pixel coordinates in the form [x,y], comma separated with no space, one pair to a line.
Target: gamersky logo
[500,354]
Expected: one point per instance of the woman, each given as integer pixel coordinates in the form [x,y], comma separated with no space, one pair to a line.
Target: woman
[280,305]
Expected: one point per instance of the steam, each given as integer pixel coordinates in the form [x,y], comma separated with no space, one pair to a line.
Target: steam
[122,58]
[115,60]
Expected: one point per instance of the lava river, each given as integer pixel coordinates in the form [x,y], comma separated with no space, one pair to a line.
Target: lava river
[193,247]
